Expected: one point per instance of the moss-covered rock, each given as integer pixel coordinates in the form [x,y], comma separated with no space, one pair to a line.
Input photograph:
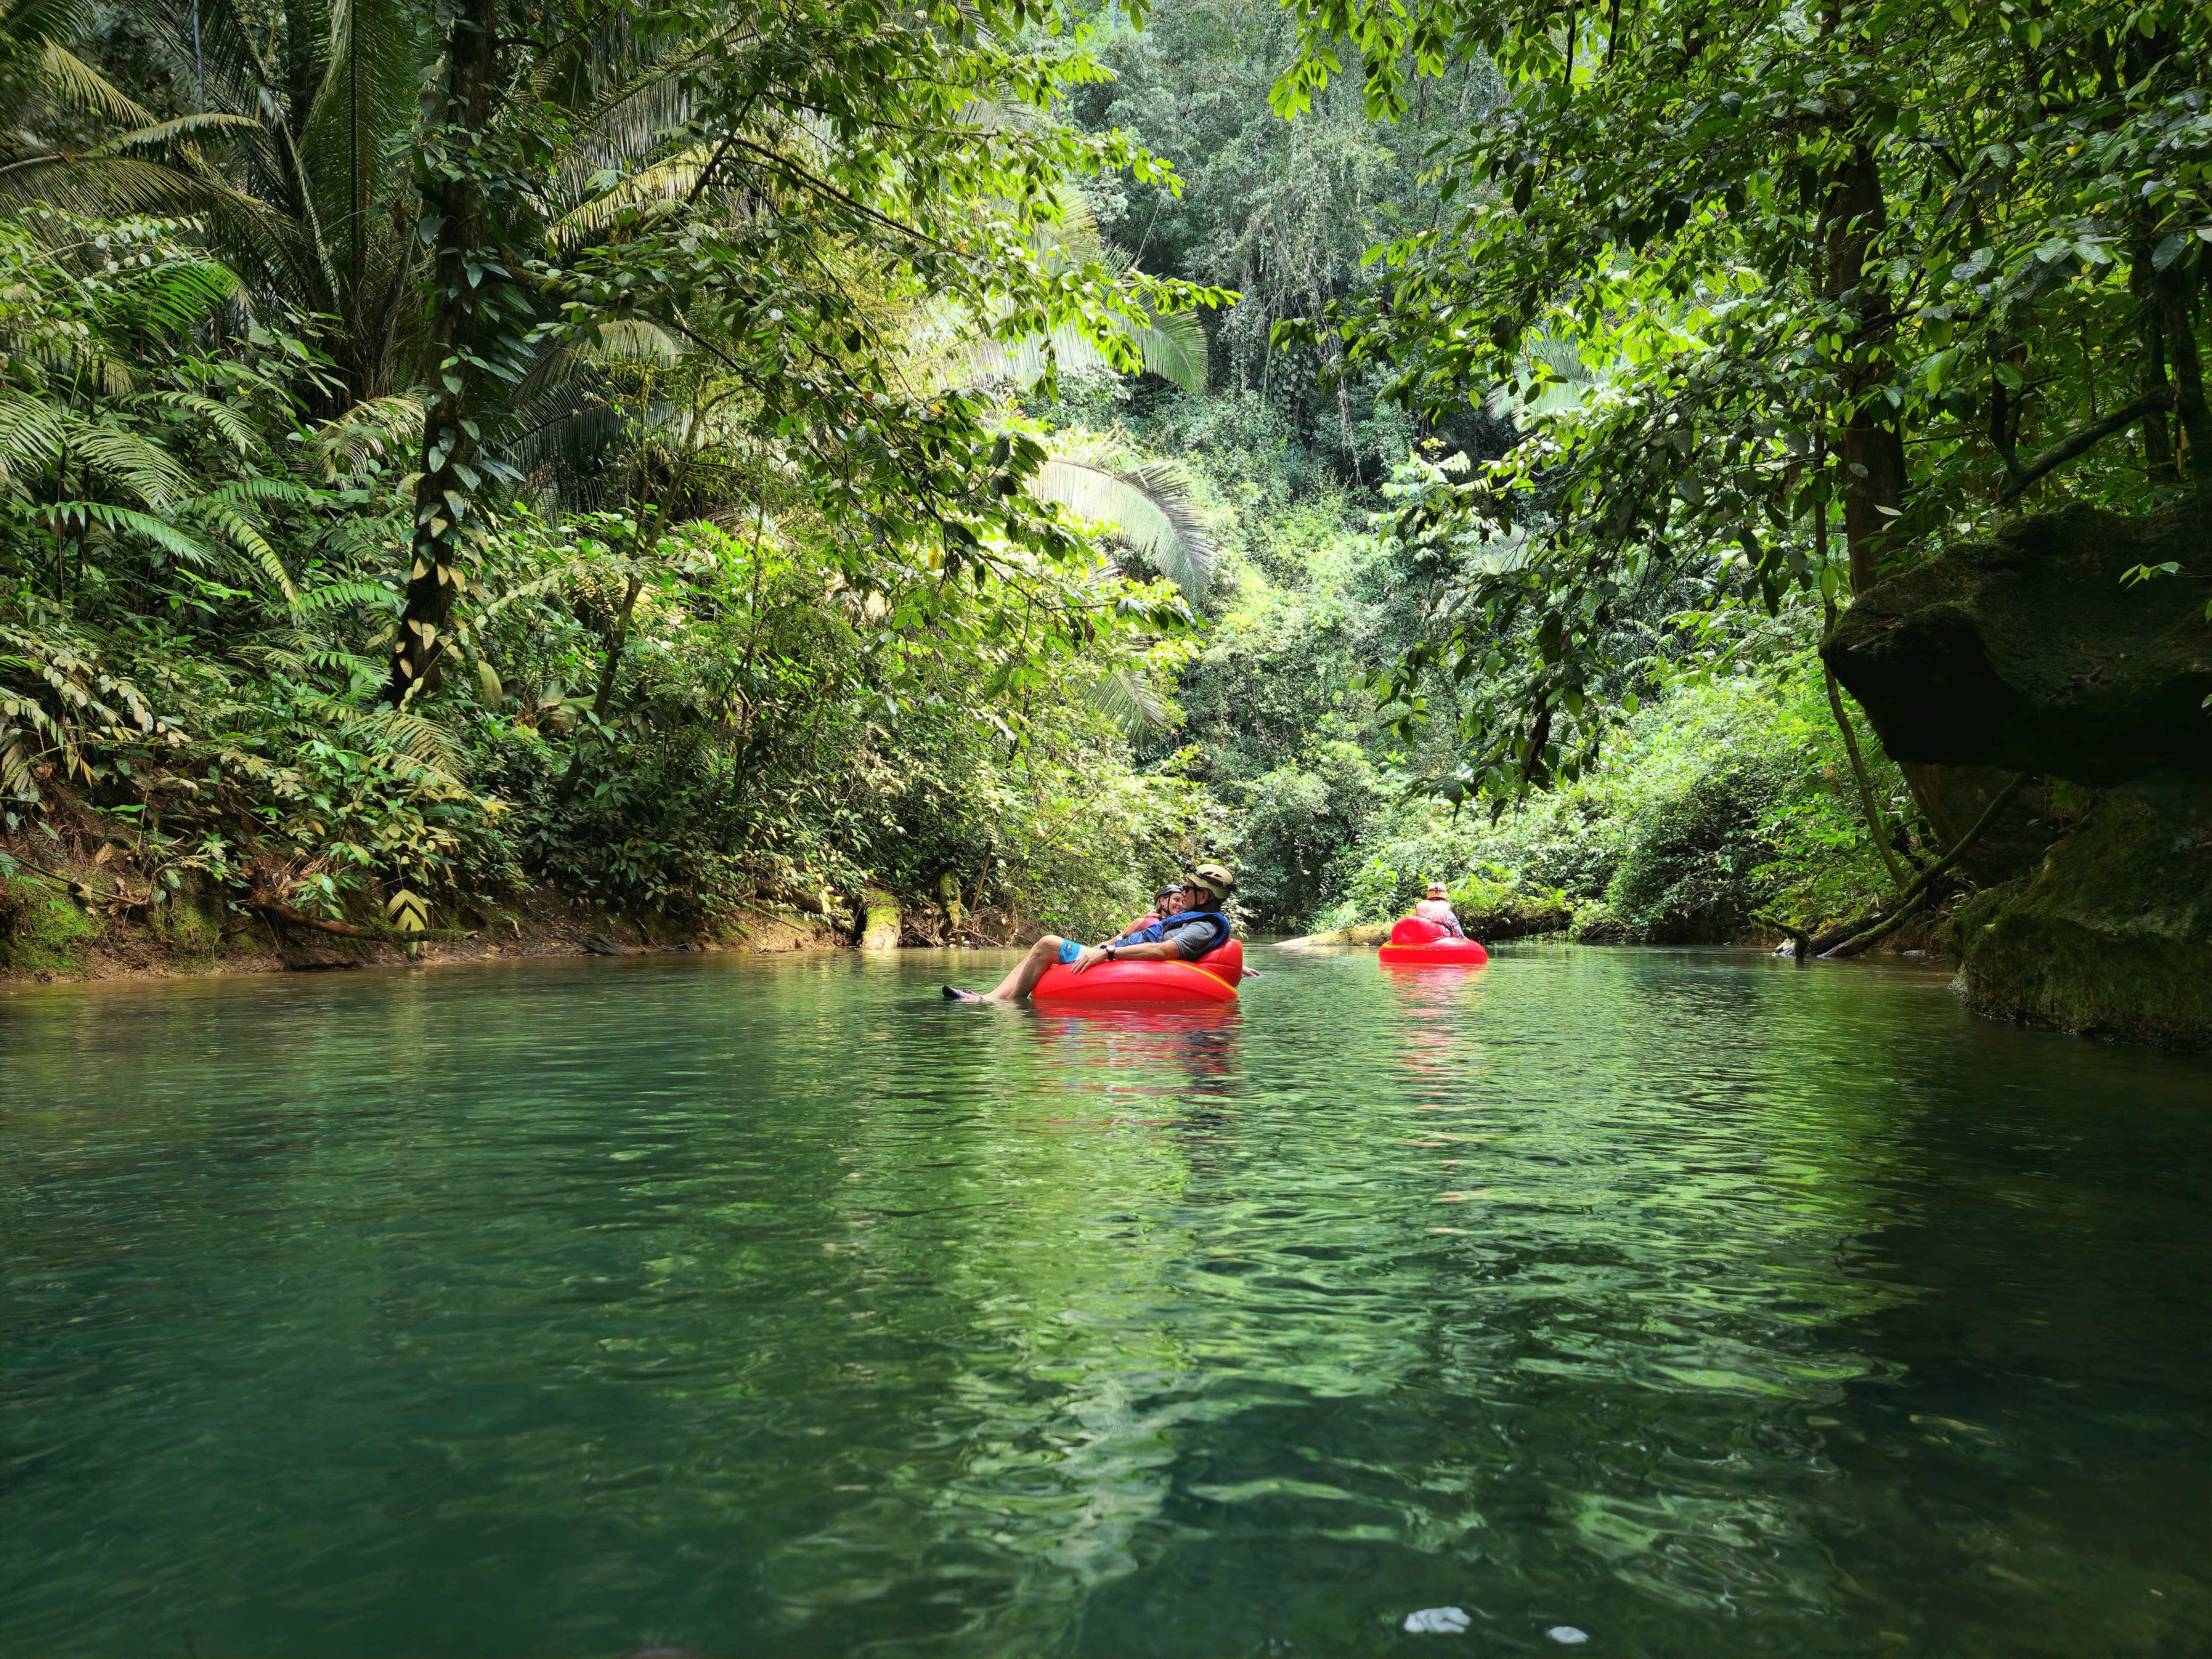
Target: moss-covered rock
[191,921]
[880,930]
[2111,935]
[2028,652]
[41,931]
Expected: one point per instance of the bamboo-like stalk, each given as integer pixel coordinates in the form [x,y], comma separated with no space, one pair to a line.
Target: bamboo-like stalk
[1877,826]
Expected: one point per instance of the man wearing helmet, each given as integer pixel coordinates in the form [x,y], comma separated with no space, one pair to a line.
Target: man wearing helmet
[1186,935]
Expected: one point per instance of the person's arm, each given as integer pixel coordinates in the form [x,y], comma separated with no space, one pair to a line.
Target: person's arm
[1181,948]
[1199,938]
[1156,951]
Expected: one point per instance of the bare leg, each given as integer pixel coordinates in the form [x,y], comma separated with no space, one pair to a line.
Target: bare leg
[1027,972]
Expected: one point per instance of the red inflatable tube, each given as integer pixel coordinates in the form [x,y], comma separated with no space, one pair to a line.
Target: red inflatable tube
[1211,978]
[1417,944]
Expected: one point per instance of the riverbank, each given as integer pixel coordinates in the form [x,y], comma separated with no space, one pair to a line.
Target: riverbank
[55,929]
[66,920]
[65,916]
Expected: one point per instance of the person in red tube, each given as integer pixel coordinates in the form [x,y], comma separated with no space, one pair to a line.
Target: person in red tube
[1437,907]
[1192,932]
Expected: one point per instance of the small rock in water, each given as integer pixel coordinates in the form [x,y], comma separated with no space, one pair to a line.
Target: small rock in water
[1437,1621]
[1568,1635]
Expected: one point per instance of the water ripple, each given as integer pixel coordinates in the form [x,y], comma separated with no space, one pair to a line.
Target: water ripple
[1684,1299]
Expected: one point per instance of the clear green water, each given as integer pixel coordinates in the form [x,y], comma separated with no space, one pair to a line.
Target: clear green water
[1702,1304]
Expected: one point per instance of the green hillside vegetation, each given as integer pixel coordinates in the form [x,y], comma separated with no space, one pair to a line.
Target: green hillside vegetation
[1730,797]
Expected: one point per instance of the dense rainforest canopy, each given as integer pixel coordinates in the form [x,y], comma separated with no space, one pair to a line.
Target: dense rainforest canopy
[693,456]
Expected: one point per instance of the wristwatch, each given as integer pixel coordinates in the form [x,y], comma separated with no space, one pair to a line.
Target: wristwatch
[1110,953]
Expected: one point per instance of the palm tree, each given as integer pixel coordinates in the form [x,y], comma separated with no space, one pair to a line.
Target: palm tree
[313,205]
[1171,344]
[96,460]
[1151,514]
[311,201]
[81,439]
[48,93]
[1552,377]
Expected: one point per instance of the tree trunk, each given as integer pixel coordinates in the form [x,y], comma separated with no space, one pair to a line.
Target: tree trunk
[2181,355]
[2169,342]
[446,517]
[2159,464]
[1853,215]
[609,672]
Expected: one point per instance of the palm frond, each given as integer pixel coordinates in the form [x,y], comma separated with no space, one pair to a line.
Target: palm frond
[171,297]
[30,435]
[365,102]
[565,432]
[69,79]
[211,47]
[1551,378]
[628,121]
[225,418]
[221,515]
[129,460]
[239,492]
[411,734]
[1172,346]
[95,186]
[160,135]
[367,432]
[330,596]
[1126,700]
[160,531]
[633,340]
[1149,507]
[664,181]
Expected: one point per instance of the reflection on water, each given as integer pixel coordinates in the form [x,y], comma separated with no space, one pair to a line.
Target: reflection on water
[1697,1301]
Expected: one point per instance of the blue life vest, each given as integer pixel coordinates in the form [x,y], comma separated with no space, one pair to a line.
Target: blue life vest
[1158,931]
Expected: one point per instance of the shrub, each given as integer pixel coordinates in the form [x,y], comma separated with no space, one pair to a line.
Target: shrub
[1725,800]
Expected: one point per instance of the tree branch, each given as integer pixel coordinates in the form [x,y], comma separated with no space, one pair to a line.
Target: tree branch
[1909,900]
[1881,930]
[1801,942]
[293,918]
[2019,476]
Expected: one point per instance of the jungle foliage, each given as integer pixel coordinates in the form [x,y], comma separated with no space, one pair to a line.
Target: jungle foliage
[453,446]
[1695,324]
[697,455]
[1903,263]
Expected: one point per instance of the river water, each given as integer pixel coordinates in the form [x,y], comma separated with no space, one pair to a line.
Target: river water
[1689,1302]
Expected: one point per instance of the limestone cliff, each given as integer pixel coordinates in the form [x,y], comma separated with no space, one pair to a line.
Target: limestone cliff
[2029,653]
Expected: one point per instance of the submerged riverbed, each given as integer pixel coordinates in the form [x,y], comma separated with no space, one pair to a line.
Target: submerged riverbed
[1687,1301]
